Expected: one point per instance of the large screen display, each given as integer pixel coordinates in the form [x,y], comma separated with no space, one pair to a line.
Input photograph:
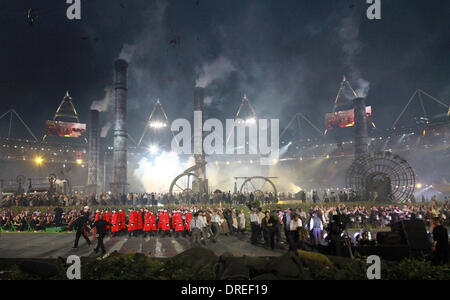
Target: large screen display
[344,118]
[65,129]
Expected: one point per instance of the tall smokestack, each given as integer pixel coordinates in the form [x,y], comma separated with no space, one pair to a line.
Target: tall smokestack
[201,186]
[101,166]
[361,137]
[93,155]
[119,178]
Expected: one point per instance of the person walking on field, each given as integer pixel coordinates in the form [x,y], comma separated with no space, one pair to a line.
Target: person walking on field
[440,242]
[102,229]
[197,228]
[80,225]
[242,222]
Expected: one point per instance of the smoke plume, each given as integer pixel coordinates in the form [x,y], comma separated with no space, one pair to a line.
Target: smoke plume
[219,68]
[127,52]
[348,32]
[104,104]
[157,172]
[105,129]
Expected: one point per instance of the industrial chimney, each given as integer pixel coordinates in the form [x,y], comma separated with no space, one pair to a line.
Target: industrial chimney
[119,177]
[201,185]
[361,137]
[93,155]
[101,165]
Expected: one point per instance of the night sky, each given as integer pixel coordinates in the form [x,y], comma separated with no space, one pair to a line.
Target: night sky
[286,55]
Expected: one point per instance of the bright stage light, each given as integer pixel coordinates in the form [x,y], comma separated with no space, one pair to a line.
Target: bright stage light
[250,121]
[39,160]
[79,161]
[153,149]
[419,186]
[157,125]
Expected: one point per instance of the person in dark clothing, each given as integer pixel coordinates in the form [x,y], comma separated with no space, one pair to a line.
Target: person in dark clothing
[101,225]
[228,217]
[255,224]
[268,231]
[440,244]
[276,230]
[334,236]
[80,225]
[58,215]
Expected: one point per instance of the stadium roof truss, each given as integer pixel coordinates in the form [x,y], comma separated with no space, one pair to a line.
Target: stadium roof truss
[419,93]
[11,113]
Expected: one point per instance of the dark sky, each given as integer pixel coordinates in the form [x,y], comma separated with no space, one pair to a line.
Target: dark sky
[286,55]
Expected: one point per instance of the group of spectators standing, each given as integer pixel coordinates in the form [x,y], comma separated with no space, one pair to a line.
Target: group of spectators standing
[217,197]
[305,229]
[325,225]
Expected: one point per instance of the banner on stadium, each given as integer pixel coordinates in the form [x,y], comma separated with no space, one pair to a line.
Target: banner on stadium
[65,129]
[344,118]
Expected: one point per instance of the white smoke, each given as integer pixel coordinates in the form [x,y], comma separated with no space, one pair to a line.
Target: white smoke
[104,104]
[156,173]
[208,101]
[348,32]
[105,129]
[221,67]
[156,18]
[222,176]
[127,52]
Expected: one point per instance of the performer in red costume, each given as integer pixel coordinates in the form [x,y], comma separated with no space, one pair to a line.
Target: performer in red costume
[153,227]
[140,221]
[97,213]
[122,221]
[164,223]
[107,218]
[146,223]
[132,222]
[115,221]
[187,222]
[177,222]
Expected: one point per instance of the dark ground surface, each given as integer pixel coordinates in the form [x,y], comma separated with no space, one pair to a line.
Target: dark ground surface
[53,245]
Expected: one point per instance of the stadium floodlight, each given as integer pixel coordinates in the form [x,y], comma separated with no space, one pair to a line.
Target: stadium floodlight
[251,121]
[38,160]
[158,125]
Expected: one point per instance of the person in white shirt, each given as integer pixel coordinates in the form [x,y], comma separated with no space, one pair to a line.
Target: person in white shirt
[241,221]
[316,228]
[294,226]
[196,228]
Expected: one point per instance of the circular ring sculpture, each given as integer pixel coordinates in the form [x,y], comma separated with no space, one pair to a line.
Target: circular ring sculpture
[382,171]
[253,185]
[182,184]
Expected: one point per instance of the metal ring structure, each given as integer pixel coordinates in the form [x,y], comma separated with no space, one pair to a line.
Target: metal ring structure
[183,190]
[387,166]
[266,180]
